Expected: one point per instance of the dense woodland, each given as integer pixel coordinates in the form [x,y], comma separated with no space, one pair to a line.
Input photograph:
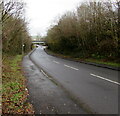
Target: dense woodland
[14,28]
[91,31]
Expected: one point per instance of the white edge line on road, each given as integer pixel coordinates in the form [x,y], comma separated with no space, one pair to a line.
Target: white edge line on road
[105,79]
[56,62]
[71,67]
[44,73]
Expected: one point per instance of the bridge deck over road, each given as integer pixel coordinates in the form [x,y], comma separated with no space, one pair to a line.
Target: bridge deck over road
[38,42]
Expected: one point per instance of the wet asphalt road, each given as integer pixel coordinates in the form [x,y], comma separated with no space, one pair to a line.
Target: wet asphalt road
[95,87]
[46,96]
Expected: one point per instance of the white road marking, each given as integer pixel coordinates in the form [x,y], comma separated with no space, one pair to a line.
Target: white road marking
[71,67]
[44,73]
[56,62]
[105,79]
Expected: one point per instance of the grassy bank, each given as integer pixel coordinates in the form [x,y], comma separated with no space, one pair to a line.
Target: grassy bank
[92,60]
[14,94]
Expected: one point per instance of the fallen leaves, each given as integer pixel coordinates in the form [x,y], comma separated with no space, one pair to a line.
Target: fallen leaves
[14,94]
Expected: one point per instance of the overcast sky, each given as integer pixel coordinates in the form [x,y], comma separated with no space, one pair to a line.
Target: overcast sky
[40,14]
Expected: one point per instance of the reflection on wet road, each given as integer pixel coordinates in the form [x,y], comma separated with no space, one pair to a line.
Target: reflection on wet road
[45,95]
[83,81]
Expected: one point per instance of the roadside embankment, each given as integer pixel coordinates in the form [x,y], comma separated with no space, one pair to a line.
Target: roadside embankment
[14,91]
[90,61]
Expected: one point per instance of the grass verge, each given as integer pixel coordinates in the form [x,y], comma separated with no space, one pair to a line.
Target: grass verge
[14,92]
[101,61]
[98,61]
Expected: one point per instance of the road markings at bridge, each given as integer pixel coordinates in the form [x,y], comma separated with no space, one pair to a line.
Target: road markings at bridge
[105,79]
[56,62]
[71,67]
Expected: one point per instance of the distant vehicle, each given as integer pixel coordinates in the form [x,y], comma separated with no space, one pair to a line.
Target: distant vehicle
[37,45]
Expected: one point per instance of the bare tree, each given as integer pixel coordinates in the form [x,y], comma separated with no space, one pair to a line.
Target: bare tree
[14,26]
[93,30]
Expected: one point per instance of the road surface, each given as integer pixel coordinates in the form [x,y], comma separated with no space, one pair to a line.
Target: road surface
[94,87]
[45,96]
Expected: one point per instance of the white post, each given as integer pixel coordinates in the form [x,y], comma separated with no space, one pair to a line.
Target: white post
[23,49]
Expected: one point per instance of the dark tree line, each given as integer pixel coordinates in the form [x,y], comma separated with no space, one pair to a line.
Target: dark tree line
[14,27]
[91,31]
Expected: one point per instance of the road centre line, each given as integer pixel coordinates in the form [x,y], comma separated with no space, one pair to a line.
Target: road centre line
[71,67]
[105,79]
[56,62]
